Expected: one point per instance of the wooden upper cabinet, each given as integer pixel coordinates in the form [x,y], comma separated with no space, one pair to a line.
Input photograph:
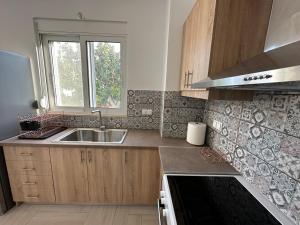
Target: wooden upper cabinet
[219,34]
[105,175]
[69,167]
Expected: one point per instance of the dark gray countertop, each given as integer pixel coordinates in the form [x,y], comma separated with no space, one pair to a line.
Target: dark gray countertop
[134,138]
[194,160]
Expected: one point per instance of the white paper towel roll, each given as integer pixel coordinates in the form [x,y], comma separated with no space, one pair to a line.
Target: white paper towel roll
[196,133]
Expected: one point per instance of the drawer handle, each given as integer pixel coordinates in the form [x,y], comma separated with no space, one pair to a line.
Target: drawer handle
[29,183]
[32,197]
[28,169]
[25,154]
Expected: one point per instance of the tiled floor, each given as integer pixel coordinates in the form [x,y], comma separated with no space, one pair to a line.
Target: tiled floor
[79,215]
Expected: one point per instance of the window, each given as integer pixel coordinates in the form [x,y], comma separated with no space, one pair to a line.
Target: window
[85,72]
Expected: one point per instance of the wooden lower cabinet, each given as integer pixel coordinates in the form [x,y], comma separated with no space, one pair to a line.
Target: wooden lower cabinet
[105,178]
[70,177]
[83,175]
[30,173]
[141,176]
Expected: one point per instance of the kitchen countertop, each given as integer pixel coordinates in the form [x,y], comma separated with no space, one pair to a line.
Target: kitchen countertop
[194,160]
[134,138]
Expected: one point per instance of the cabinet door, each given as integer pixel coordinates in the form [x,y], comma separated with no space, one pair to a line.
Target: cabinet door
[105,175]
[69,168]
[203,15]
[186,53]
[141,176]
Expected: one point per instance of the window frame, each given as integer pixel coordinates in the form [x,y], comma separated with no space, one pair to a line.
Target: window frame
[87,82]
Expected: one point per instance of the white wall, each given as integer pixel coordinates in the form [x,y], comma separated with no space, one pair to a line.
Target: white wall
[146,31]
[284,25]
[179,11]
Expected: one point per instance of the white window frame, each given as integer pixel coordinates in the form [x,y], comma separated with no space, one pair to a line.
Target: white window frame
[88,91]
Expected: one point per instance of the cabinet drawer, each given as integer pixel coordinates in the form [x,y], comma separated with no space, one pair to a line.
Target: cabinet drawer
[32,193]
[26,153]
[28,168]
[41,182]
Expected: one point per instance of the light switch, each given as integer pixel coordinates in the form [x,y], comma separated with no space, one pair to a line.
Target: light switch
[217,125]
[146,112]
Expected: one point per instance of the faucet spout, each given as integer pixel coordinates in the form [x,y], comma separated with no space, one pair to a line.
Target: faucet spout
[101,126]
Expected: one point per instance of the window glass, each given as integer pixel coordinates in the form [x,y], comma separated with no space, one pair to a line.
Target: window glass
[104,63]
[67,73]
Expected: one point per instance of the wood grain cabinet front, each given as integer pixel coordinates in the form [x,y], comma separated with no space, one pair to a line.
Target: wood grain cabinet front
[30,173]
[105,176]
[83,175]
[218,35]
[70,177]
[141,176]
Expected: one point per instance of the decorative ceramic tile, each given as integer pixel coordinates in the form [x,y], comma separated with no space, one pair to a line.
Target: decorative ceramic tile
[247,110]
[263,176]
[270,146]
[282,189]
[259,116]
[233,109]
[262,100]
[279,103]
[243,133]
[291,145]
[230,127]
[254,141]
[294,210]
[276,120]
[289,164]
[294,106]
[292,126]
[245,163]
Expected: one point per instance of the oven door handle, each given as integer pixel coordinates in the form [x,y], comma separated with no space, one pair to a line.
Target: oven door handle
[159,207]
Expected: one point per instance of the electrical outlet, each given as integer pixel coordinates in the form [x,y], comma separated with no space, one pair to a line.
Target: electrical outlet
[217,125]
[146,112]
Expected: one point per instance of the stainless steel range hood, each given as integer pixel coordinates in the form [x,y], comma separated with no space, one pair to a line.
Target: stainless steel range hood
[275,70]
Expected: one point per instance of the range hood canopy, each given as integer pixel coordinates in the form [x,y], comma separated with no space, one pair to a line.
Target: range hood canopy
[274,70]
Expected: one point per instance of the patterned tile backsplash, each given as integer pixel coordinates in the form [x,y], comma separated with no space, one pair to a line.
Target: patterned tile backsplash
[170,113]
[261,139]
[177,111]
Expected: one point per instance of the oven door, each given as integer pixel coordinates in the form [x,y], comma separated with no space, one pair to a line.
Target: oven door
[161,217]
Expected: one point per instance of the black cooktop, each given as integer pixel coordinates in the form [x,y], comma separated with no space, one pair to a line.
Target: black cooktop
[216,201]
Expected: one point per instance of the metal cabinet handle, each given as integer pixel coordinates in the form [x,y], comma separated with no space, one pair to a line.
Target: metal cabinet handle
[126,157]
[26,154]
[32,197]
[90,157]
[185,76]
[29,183]
[28,169]
[190,79]
[82,156]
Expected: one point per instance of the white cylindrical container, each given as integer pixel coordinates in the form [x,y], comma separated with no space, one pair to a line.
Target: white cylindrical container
[196,133]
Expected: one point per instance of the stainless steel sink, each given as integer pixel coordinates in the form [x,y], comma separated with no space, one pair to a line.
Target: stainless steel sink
[112,136]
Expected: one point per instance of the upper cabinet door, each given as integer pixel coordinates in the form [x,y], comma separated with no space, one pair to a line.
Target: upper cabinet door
[105,175]
[240,31]
[219,34]
[69,167]
[141,176]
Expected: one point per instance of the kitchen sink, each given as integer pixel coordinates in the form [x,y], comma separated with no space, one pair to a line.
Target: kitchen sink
[111,136]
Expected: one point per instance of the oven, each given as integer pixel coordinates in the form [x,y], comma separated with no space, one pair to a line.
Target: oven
[212,200]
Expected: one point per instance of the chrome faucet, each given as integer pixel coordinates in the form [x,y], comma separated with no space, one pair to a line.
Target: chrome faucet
[101,127]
